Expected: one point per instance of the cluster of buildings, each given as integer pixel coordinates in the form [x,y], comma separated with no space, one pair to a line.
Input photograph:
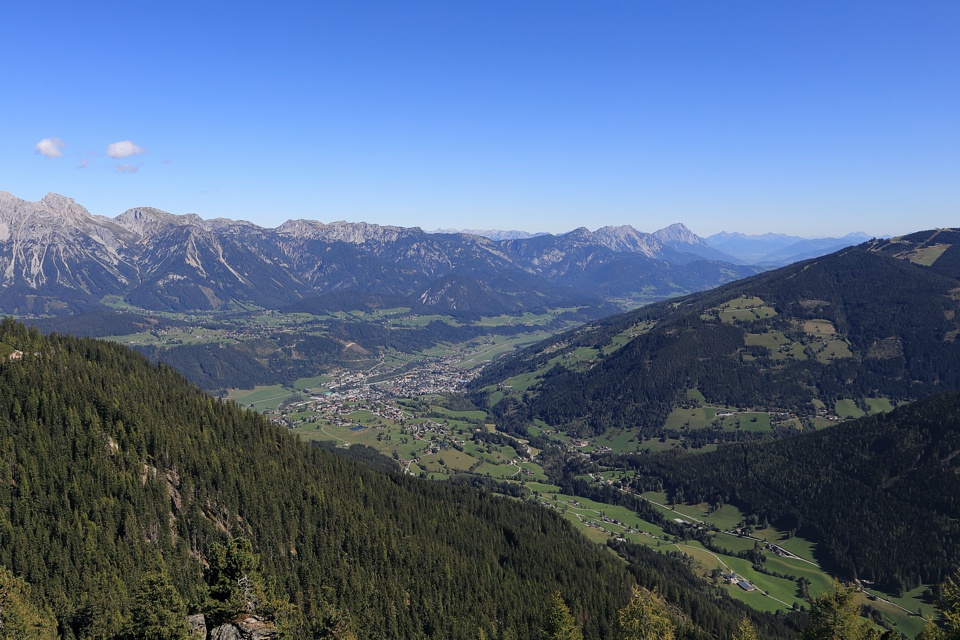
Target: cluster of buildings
[436,376]
[733,578]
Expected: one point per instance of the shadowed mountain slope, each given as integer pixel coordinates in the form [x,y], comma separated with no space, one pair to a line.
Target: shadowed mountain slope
[858,323]
[880,495]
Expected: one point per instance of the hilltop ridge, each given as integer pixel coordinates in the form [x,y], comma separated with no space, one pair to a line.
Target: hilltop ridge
[876,320]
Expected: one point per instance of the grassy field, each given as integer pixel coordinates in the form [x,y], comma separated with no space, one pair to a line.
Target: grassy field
[589,517]
[432,440]
[619,441]
[697,418]
[879,405]
[819,327]
[747,421]
[316,382]
[834,349]
[262,398]
[742,310]
[729,419]
[848,409]
[928,255]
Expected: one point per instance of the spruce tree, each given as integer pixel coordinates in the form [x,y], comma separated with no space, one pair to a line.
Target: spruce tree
[645,617]
[559,623]
[745,630]
[158,612]
[835,615]
[20,617]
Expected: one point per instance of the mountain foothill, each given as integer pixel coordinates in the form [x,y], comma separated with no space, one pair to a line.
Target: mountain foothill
[129,499]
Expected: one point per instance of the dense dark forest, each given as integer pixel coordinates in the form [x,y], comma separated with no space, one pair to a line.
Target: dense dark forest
[112,467]
[881,495]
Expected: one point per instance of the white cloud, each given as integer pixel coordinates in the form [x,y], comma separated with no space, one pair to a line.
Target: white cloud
[50,147]
[126,168]
[124,149]
[83,163]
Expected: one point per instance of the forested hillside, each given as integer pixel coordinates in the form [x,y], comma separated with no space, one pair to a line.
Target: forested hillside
[112,469]
[880,495]
[857,324]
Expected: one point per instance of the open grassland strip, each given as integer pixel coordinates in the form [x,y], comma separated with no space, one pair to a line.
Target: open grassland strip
[624,441]
[879,405]
[262,397]
[676,511]
[848,409]
[902,611]
[726,517]
[926,256]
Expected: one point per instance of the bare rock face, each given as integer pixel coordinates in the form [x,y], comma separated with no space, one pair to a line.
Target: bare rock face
[198,626]
[249,628]
[677,233]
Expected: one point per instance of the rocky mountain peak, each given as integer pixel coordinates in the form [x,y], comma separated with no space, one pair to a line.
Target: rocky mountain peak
[625,238]
[63,208]
[342,231]
[53,213]
[7,198]
[677,233]
[56,257]
[145,221]
[301,228]
[580,233]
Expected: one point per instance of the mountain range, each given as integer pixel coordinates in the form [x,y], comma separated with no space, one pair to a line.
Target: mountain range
[58,258]
[777,249]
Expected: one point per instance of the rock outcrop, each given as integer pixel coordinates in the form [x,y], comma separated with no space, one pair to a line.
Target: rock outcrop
[248,628]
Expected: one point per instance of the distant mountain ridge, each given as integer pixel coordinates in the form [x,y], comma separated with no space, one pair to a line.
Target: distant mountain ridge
[493,234]
[58,258]
[777,249]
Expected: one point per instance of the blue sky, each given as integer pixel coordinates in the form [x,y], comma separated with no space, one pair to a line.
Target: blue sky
[813,118]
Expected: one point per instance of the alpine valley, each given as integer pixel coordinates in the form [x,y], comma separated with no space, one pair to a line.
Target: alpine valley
[466,434]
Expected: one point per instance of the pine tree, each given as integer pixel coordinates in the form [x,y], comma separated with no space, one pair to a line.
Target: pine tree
[20,618]
[559,623]
[158,612]
[931,632]
[645,617]
[234,582]
[745,630]
[949,606]
[835,615]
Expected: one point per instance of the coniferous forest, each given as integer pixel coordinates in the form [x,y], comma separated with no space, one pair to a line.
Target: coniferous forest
[113,469]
